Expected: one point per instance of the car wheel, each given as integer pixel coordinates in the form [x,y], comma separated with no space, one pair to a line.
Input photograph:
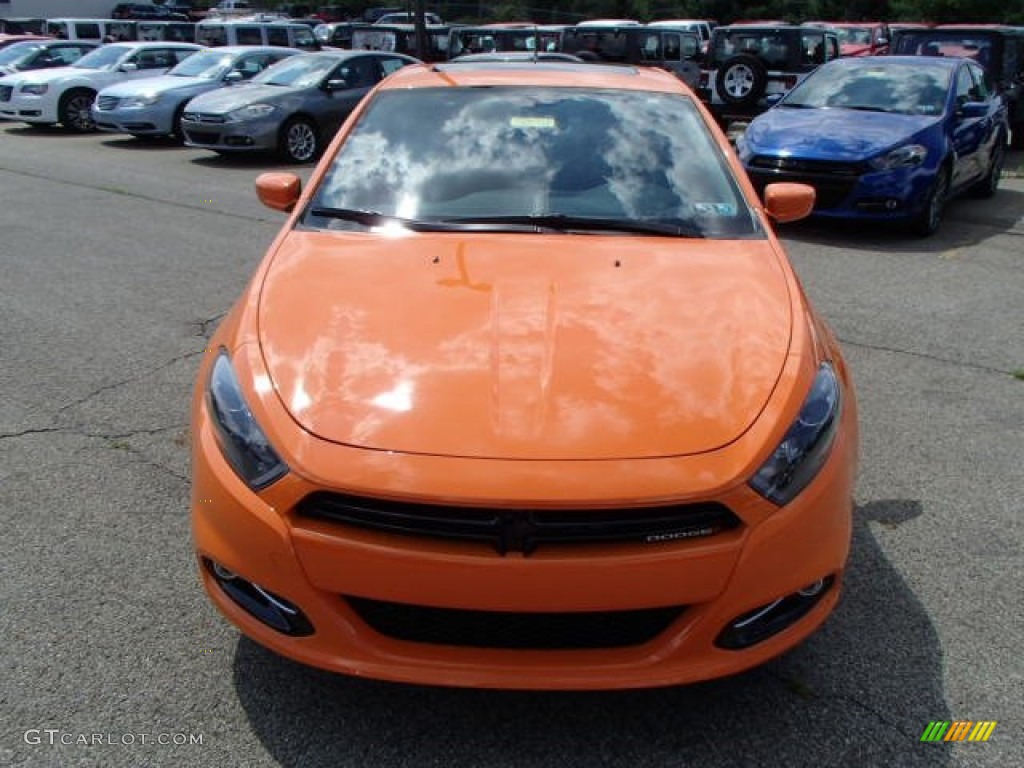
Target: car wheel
[299,141]
[987,186]
[927,222]
[741,80]
[74,111]
[177,132]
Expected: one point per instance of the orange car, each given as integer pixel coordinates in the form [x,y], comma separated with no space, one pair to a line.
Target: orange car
[525,394]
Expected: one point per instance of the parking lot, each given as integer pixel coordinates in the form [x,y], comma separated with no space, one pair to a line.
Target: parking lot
[118,259]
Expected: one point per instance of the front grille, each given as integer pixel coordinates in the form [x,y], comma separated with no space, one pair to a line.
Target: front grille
[512,630]
[5,92]
[522,530]
[201,137]
[199,117]
[799,165]
[107,103]
[829,192]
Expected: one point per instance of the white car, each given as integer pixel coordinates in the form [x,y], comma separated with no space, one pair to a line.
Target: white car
[65,94]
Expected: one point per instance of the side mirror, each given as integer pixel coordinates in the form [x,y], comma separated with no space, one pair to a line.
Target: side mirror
[129,66]
[786,201]
[279,191]
[972,109]
[336,84]
[882,41]
[234,76]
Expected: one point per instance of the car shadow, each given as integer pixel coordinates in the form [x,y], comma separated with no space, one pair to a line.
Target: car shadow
[967,221]
[145,143]
[859,692]
[261,160]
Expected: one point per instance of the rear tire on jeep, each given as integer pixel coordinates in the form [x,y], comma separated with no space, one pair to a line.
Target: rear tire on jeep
[741,80]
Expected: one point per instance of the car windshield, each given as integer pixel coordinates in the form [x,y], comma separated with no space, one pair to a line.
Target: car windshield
[103,56]
[297,71]
[210,65]
[875,86]
[15,53]
[533,159]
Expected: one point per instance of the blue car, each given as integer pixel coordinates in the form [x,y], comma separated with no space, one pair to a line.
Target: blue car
[153,106]
[884,138]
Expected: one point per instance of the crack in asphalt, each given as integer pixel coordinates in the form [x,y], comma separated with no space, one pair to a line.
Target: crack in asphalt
[129,380]
[204,325]
[139,196]
[924,356]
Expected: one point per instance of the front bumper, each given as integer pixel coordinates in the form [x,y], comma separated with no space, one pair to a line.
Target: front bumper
[213,132]
[157,120]
[852,190]
[29,108]
[341,577]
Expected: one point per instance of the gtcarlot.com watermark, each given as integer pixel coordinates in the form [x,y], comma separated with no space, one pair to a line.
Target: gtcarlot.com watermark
[55,736]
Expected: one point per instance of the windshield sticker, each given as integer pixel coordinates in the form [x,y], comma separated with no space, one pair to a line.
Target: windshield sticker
[715,209]
[532,122]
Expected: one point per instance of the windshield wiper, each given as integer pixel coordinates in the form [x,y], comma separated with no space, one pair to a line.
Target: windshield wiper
[552,222]
[797,105]
[377,219]
[560,222]
[865,108]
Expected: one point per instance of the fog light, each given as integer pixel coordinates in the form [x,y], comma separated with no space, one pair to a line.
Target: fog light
[222,573]
[273,610]
[767,620]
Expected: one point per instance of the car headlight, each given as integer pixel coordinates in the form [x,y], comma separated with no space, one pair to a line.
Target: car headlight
[36,89]
[146,100]
[251,112]
[806,445]
[906,156]
[244,445]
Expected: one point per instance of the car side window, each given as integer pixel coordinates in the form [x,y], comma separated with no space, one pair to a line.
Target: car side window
[964,86]
[981,90]
[359,73]
[66,54]
[673,48]
[250,66]
[277,36]
[392,65]
[650,48]
[249,35]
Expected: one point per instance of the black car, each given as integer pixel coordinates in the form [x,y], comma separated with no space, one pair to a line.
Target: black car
[747,63]
[999,50]
[671,49]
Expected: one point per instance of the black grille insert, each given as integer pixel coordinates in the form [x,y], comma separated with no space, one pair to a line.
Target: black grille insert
[5,92]
[519,530]
[511,630]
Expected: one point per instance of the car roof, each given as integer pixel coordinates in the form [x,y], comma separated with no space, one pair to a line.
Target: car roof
[937,62]
[240,49]
[532,57]
[529,73]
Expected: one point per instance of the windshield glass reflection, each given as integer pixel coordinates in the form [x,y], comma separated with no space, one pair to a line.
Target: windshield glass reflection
[506,152]
[902,88]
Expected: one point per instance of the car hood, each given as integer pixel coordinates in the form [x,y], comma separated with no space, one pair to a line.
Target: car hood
[225,100]
[52,75]
[161,84]
[524,347]
[835,134]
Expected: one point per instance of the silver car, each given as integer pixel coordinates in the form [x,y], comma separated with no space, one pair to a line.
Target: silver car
[293,108]
[153,106]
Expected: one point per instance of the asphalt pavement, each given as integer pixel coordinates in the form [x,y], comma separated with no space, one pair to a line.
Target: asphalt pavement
[118,258]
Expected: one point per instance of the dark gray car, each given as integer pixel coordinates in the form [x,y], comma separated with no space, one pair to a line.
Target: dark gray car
[294,107]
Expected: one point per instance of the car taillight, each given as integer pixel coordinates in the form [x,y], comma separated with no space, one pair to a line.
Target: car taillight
[790,81]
